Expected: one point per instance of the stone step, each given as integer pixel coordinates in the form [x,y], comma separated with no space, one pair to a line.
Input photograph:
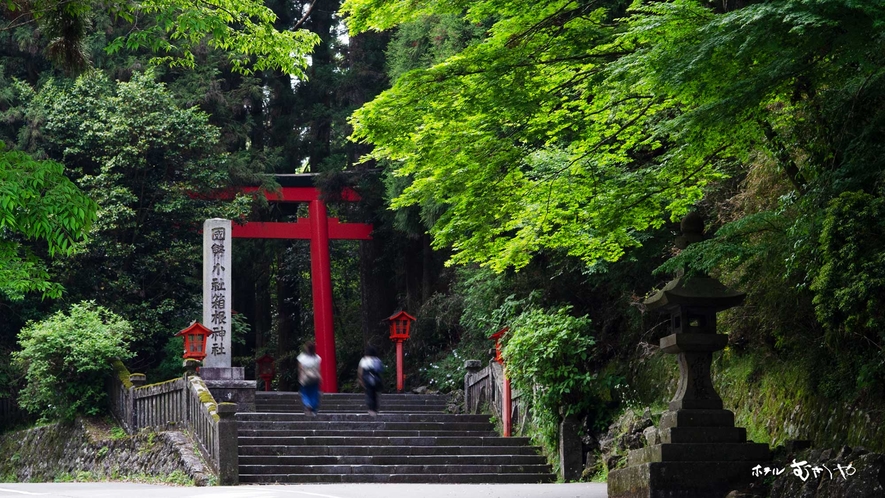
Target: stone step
[310,423]
[392,469]
[383,450]
[399,478]
[697,418]
[277,395]
[454,459]
[326,409]
[673,479]
[363,433]
[337,398]
[361,403]
[357,399]
[260,407]
[363,417]
[412,440]
[344,395]
[352,406]
[378,441]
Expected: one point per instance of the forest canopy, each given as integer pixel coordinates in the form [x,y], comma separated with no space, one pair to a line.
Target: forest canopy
[579,126]
[544,149]
[173,30]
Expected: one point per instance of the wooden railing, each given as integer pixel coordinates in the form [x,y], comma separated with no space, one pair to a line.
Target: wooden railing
[184,403]
[483,391]
[160,406]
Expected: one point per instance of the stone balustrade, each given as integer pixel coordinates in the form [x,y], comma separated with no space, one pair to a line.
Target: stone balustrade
[179,403]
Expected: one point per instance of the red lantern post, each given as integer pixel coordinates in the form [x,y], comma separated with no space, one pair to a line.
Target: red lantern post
[195,336]
[266,370]
[507,402]
[400,324]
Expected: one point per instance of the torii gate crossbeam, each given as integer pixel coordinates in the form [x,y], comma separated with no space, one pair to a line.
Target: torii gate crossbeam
[319,229]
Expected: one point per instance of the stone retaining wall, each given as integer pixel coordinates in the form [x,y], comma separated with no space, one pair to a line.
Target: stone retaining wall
[864,474]
[49,452]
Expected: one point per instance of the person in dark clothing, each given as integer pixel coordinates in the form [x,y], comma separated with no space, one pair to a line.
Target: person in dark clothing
[369,376]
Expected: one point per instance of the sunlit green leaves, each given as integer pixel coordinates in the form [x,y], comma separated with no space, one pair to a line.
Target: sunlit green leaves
[175,30]
[38,203]
[242,28]
[576,127]
[531,143]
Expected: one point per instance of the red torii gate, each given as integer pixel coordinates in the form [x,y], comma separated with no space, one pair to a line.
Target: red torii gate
[319,229]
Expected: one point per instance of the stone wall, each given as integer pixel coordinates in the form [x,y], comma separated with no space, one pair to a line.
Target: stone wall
[864,474]
[770,398]
[45,453]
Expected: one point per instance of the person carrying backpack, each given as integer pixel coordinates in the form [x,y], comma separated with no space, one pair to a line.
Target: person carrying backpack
[369,376]
[309,378]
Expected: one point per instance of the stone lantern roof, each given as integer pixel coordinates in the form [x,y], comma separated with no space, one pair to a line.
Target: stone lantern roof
[699,291]
[706,292]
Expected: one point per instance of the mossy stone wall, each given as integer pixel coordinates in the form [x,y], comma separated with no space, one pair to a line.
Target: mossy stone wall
[44,453]
[772,398]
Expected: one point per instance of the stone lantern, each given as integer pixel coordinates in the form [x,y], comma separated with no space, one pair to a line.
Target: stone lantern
[699,453]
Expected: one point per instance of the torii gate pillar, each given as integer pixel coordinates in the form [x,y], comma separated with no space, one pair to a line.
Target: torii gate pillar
[321,280]
[319,228]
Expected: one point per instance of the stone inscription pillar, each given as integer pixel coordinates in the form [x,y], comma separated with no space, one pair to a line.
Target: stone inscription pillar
[217,291]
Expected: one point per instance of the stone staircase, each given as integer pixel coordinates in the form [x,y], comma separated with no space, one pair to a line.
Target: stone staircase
[411,440]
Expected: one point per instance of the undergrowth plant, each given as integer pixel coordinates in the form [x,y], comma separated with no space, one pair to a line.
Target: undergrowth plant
[548,353]
[66,358]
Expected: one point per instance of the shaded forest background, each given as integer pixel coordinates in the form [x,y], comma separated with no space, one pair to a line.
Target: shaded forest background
[546,150]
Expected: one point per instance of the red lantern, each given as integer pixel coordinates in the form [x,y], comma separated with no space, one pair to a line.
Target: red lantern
[266,370]
[195,336]
[497,336]
[400,323]
[507,401]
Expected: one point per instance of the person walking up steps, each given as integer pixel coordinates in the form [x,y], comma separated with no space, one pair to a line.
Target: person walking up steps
[369,376]
[309,378]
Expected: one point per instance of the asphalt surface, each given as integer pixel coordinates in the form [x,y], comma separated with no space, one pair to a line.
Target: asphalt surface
[129,490]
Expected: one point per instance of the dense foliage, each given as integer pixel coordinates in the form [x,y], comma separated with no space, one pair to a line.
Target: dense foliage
[244,29]
[544,149]
[140,140]
[37,203]
[67,357]
[580,128]
[534,141]
[546,354]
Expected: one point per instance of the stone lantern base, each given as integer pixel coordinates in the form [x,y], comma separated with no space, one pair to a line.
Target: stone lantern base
[701,454]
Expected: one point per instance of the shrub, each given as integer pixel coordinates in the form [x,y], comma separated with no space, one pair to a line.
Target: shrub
[67,358]
[549,354]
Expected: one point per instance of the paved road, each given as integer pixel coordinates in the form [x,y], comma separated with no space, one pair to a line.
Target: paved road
[128,490]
